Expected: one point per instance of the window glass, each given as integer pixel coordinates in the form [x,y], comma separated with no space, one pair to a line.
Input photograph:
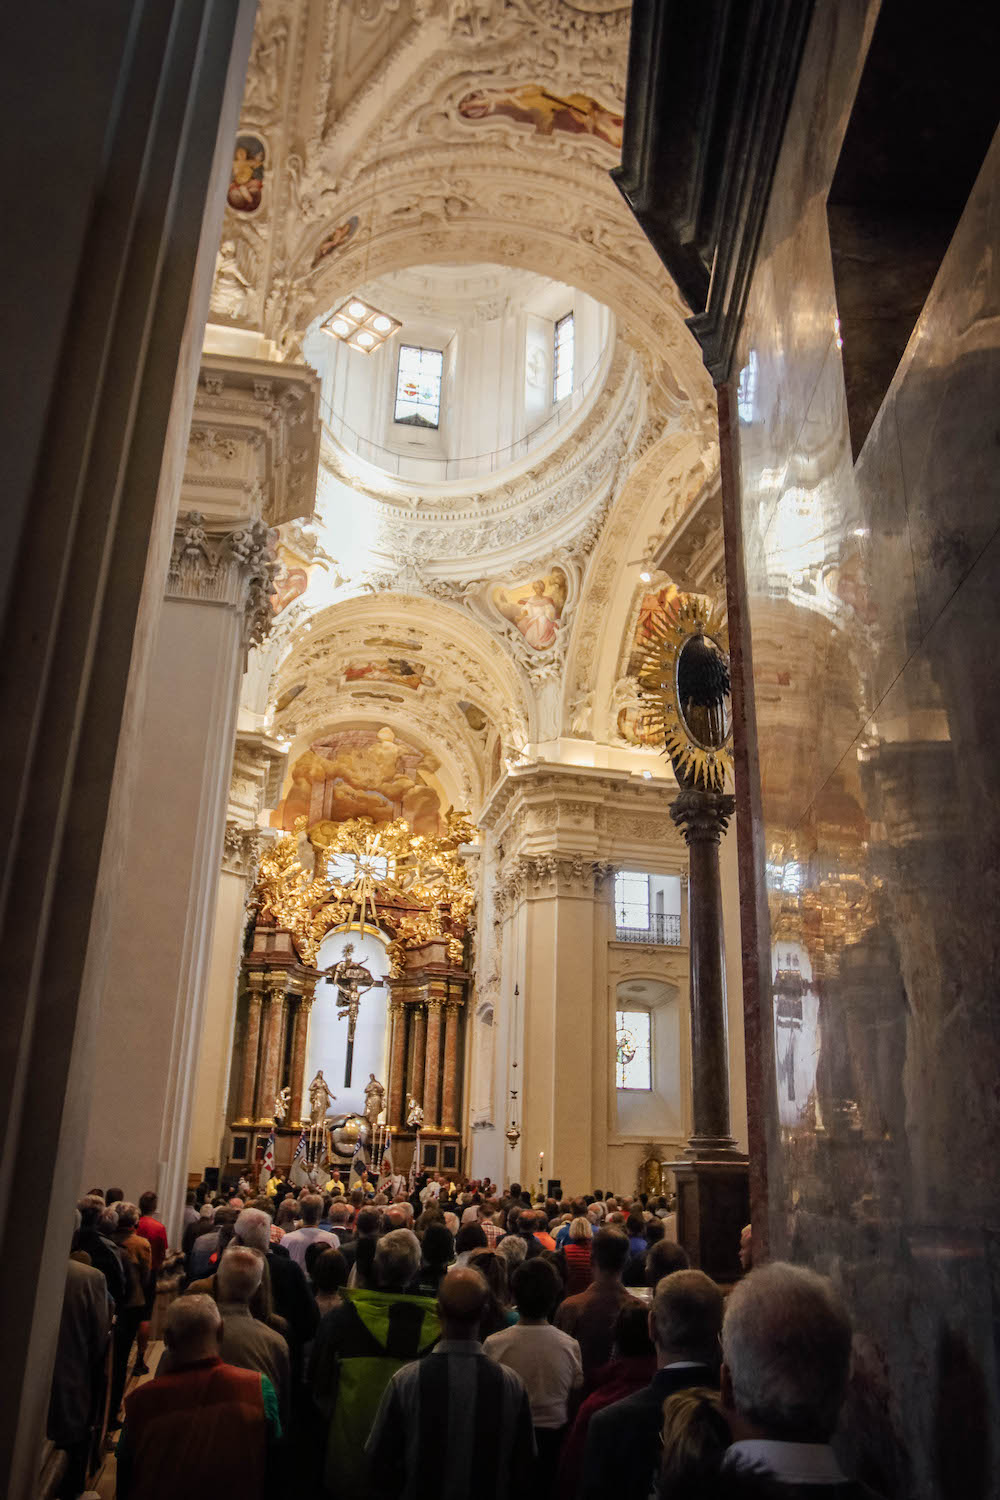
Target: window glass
[633,1050]
[345,868]
[631,899]
[562,360]
[418,387]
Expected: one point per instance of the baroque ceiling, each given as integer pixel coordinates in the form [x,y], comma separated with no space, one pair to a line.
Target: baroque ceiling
[466,145]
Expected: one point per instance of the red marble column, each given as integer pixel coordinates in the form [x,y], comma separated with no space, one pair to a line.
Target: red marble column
[251,1046]
[300,1037]
[449,1088]
[274,1022]
[418,1039]
[397,1063]
[432,1067]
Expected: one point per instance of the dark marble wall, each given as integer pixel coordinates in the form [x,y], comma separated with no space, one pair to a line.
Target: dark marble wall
[873,599]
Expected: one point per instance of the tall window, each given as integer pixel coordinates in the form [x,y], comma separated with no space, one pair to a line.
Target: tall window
[562,358]
[631,899]
[418,387]
[633,1050]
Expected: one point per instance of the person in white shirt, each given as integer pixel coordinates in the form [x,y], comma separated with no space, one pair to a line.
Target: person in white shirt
[786,1350]
[298,1242]
[547,1360]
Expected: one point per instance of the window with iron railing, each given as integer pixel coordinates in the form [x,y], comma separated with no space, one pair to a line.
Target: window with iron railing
[642,908]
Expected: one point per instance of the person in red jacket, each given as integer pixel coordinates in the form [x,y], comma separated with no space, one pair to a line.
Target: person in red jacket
[205,1429]
[152,1230]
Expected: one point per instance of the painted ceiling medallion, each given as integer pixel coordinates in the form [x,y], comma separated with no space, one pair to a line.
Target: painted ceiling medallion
[684,681]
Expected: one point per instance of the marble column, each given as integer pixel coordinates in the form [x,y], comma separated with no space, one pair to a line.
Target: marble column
[449,1087]
[213,1102]
[300,1035]
[163,923]
[110,325]
[397,1064]
[251,1048]
[432,1067]
[703,817]
[418,1040]
[274,1037]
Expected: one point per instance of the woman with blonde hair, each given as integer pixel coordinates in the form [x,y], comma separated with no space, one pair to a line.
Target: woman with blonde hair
[695,1436]
[579,1272]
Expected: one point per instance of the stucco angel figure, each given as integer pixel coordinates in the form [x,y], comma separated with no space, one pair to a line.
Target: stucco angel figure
[320,1099]
[374,1099]
[281,1104]
[414,1113]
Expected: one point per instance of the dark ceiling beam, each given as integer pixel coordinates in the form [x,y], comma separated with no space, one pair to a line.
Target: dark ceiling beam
[710,83]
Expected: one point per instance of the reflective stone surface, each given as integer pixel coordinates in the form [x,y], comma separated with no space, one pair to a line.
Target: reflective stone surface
[873,607]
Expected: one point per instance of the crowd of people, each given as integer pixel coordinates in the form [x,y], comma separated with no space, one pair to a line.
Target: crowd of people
[454,1341]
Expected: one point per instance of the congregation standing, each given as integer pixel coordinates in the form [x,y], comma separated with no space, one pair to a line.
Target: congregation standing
[447,1342]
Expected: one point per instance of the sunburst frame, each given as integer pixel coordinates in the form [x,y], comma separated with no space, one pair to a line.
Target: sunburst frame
[695,764]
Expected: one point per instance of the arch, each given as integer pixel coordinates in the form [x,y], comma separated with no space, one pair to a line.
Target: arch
[459,662]
[548,215]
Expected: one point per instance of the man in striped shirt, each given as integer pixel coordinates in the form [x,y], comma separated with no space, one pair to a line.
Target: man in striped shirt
[455,1423]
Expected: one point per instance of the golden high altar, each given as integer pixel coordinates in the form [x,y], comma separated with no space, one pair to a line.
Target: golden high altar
[414,896]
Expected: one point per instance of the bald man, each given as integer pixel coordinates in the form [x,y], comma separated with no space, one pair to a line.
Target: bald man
[204,1430]
[456,1423]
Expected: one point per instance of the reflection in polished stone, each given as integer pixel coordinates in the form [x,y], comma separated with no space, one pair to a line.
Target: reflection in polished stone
[874,607]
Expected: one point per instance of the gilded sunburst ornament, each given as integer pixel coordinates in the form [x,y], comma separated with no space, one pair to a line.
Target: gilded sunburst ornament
[684,683]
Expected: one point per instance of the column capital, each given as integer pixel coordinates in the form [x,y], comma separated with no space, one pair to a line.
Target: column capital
[702,816]
[241,850]
[223,566]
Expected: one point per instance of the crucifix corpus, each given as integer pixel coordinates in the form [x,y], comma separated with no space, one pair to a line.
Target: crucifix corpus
[351,980]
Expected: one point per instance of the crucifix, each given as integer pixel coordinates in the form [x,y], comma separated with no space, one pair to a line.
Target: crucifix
[351,980]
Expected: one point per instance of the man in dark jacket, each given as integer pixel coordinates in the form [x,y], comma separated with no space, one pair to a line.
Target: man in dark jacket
[96,1242]
[623,1440]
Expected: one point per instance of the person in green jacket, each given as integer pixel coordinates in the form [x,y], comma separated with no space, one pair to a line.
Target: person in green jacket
[360,1345]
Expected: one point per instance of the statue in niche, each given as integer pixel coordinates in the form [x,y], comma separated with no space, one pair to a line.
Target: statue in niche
[374,1099]
[320,1099]
[281,1104]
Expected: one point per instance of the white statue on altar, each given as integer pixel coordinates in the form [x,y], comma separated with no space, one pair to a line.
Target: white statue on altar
[374,1099]
[320,1099]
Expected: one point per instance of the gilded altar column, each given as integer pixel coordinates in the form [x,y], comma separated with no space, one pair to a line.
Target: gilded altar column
[274,1022]
[449,1089]
[432,1066]
[300,1034]
[418,1039]
[251,1047]
[397,1063]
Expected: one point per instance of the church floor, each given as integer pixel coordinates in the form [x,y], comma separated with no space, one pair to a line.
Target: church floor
[103,1484]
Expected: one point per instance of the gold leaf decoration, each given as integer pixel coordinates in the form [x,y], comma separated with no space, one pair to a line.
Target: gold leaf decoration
[696,764]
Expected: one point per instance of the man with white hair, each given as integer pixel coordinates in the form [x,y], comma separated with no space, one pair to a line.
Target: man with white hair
[290,1292]
[786,1350]
[359,1347]
[205,1429]
[246,1341]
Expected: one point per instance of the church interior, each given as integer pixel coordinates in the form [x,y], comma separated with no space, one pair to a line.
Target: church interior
[503,522]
